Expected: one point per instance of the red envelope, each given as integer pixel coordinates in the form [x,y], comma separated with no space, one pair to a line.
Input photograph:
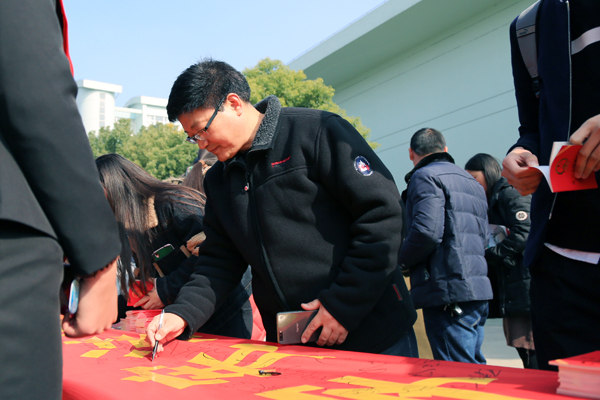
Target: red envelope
[559,173]
[562,168]
[135,292]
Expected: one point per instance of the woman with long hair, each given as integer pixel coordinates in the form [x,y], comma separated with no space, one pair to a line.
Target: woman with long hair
[164,225]
[508,215]
[195,176]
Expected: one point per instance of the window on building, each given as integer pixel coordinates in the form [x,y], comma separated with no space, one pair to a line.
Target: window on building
[102,110]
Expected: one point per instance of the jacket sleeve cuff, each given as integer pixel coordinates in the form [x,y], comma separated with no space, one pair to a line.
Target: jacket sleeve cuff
[162,291]
[329,303]
[194,319]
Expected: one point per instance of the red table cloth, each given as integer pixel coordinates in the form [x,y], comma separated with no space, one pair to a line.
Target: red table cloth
[116,365]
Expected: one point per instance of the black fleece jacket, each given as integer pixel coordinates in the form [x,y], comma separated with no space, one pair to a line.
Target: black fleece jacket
[313,221]
[179,219]
[509,277]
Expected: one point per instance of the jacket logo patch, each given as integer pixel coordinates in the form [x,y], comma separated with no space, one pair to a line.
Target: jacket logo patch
[362,166]
[521,216]
[280,162]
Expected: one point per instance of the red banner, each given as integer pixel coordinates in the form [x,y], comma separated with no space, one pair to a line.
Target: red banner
[116,365]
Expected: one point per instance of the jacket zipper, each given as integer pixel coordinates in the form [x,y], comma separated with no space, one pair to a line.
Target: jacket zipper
[570,91]
[497,210]
[249,184]
[502,290]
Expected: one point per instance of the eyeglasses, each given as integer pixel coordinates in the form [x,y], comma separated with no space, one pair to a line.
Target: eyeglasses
[198,136]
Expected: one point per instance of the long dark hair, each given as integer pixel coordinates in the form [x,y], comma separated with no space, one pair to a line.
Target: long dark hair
[195,177]
[490,167]
[129,190]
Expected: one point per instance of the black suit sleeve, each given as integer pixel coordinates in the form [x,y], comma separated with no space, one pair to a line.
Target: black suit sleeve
[42,129]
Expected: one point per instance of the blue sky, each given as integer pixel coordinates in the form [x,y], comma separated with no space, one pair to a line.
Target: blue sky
[144,45]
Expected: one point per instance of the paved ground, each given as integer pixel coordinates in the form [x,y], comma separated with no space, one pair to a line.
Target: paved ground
[494,346]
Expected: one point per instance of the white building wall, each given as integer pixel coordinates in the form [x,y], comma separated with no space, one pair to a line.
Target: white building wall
[459,82]
[97,108]
[153,110]
[96,104]
[128,113]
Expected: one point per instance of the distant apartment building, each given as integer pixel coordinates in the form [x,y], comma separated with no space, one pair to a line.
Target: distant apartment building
[96,104]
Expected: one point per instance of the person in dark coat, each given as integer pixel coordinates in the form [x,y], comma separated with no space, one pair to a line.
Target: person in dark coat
[563,250]
[51,204]
[299,196]
[509,218]
[164,227]
[194,178]
[447,232]
[203,155]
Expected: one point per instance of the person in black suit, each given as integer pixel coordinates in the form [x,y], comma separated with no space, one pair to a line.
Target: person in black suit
[51,204]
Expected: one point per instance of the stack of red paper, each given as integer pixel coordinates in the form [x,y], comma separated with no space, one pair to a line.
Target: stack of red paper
[580,375]
[137,320]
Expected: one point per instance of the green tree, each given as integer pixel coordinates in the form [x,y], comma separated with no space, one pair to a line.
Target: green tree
[109,140]
[161,150]
[273,77]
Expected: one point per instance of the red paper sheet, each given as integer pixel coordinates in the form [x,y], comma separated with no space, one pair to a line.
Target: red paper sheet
[135,293]
[562,168]
[584,361]
[258,330]
[116,365]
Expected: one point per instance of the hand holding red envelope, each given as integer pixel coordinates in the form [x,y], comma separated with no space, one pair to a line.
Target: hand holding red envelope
[136,293]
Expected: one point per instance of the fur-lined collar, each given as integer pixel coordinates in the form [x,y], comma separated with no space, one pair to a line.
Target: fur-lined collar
[271,107]
[267,130]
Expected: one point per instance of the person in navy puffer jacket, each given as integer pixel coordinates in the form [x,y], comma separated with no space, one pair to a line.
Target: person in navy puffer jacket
[444,249]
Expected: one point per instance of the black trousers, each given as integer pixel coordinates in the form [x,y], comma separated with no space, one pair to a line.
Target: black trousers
[565,307]
[31,271]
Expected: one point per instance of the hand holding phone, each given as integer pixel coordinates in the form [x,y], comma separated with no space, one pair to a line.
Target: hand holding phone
[97,309]
[291,326]
[332,331]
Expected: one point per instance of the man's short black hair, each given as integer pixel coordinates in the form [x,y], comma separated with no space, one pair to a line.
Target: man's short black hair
[426,141]
[203,85]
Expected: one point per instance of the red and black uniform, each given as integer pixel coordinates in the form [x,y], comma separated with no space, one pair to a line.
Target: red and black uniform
[51,201]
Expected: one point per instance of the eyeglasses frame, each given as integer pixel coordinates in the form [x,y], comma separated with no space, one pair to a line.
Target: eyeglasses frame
[198,136]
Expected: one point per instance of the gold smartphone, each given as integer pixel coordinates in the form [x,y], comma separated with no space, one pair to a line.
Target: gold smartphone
[291,326]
